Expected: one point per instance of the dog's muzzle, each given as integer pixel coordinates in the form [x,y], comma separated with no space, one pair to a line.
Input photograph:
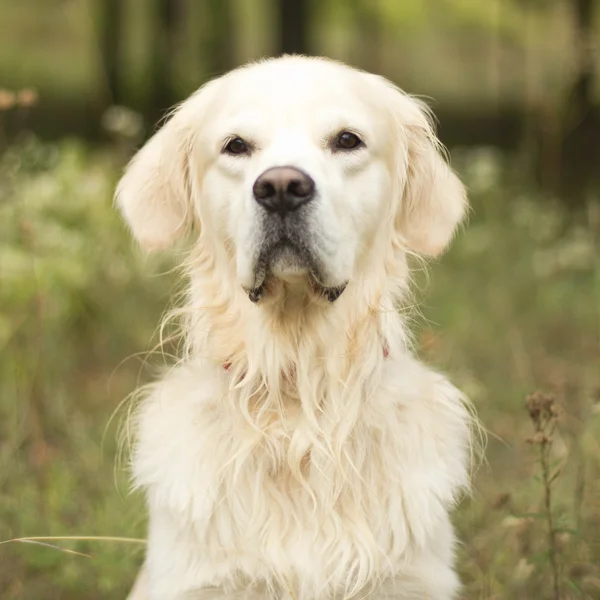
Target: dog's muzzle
[285,195]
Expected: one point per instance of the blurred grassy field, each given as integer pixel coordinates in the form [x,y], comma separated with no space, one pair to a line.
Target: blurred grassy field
[514,306]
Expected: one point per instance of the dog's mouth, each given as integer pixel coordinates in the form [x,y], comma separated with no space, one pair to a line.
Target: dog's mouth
[289,262]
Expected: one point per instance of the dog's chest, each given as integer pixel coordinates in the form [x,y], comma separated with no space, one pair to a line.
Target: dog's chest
[324,502]
[281,503]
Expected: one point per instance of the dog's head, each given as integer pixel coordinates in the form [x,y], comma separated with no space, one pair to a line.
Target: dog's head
[294,169]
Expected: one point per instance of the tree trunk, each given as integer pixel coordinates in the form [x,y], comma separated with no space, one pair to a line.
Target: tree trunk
[581,94]
[293,19]
[219,49]
[369,26]
[110,42]
[579,171]
[167,17]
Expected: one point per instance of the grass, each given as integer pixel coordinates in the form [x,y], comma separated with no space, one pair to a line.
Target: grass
[514,307]
[69,320]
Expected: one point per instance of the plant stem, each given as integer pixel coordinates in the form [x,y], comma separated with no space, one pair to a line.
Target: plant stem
[544,449]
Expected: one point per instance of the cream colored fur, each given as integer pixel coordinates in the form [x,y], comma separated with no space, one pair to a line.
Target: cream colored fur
[316,466]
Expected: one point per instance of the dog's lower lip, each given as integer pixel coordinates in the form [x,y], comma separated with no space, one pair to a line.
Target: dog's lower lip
[331,293]
[256,293]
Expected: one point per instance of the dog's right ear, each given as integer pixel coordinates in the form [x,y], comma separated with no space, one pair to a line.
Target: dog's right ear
[155,193]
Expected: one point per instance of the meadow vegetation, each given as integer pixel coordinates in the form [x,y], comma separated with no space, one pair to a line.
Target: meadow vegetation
[513,308]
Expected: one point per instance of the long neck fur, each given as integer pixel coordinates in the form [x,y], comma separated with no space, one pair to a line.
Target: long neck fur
[293,351]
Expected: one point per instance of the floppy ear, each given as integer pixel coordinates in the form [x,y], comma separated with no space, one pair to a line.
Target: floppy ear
[154,192]
[434,200]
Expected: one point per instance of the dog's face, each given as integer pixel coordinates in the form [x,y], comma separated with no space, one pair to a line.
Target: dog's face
[293,169]
[298,171]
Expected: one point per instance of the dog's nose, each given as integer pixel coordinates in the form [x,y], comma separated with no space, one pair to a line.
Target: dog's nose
[283,189]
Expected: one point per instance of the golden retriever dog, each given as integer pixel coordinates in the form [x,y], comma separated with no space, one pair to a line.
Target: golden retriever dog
[298,450]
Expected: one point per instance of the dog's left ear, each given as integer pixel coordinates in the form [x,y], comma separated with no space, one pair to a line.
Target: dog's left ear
[433,199]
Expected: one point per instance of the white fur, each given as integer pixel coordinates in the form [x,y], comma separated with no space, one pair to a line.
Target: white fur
[317,466]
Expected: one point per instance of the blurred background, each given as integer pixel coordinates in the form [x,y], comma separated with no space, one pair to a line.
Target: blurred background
[514,307]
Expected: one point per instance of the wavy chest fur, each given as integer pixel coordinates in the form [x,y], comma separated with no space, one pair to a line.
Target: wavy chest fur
[336,500]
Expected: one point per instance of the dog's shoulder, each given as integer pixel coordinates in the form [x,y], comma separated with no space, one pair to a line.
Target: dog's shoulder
[170,426]
[431,424]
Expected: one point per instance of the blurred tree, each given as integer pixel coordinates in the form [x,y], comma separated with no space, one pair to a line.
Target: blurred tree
[111,43]
[218,48]
[370,25]
[293,22]
[167,19]
[563,135]
[581,93]
[580,121]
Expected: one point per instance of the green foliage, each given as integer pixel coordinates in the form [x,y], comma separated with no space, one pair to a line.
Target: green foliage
[515,305]
[74,303]
[512,308]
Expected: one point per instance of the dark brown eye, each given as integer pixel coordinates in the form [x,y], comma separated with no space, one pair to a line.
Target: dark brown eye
[237,146]
[348,141]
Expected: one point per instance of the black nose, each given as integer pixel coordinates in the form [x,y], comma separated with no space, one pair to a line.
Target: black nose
[283,189]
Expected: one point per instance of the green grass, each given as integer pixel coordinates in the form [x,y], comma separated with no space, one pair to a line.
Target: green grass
[75,304]
[513,307]
[516,307]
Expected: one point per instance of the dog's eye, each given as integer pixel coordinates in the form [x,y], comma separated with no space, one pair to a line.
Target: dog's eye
[347,140]
[237,146]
